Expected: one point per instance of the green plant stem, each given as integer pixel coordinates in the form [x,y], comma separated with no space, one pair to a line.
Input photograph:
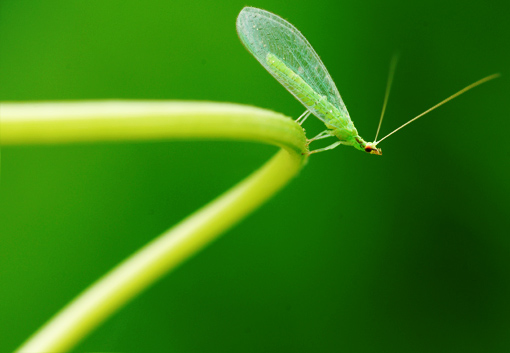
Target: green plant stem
[30,123]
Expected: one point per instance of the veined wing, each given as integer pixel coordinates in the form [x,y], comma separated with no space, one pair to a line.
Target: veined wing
[264,33]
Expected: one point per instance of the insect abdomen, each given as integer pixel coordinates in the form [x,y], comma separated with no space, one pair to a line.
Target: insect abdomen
[318,104]
[292,81]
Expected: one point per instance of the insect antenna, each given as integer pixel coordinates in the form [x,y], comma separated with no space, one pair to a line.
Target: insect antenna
[391,74]
[473,85]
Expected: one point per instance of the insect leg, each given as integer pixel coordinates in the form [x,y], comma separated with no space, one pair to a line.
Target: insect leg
[330,147]
[303,117]
[322,135]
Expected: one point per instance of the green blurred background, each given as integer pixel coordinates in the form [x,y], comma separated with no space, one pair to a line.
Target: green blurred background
[408,252]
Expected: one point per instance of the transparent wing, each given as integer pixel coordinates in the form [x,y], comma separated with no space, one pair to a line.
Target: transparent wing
[263,32]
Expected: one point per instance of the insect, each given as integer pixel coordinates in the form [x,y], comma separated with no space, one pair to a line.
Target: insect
[288,56]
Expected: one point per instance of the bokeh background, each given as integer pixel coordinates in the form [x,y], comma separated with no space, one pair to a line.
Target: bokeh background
[408,252]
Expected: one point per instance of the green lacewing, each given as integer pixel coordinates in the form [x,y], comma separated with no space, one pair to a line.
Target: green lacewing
[289,58]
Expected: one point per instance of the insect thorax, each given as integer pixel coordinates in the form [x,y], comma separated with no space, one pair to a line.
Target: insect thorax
[344,130]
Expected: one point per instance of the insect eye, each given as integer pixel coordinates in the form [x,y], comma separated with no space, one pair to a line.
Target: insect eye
[368,149]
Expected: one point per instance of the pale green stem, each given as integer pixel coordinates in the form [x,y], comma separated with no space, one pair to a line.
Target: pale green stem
[51,123]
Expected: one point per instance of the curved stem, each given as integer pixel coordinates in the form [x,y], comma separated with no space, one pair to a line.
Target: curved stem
[99,121]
